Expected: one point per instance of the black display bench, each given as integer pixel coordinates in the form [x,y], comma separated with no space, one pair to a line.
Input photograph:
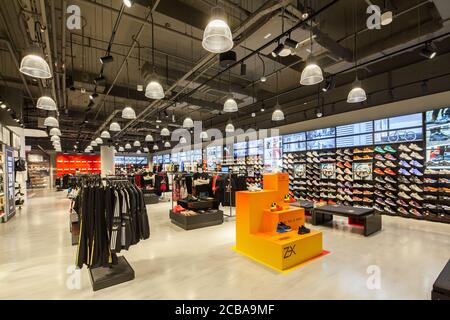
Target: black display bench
[200,220]
[150,197]
[368,218]
[441,288]
[102,278]
[307,205]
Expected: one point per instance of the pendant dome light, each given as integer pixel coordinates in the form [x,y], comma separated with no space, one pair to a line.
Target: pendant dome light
[114,127]
[136,144]
[147,150]
[128,3]
[230,104]
[89,148]
[217,37]
[121,149]
[56,143]
[204,135]
[128,113]
[55,138]
[188,123]
[127,146]
[167,144]
[312,74]
[46,103]
[94,143]
[357,94]
[183,140]
[277,115]
[155,147]
[99,141]
[105,135]
[154,89]
[34,65]
[263,77]
[51,122]
[139,152]
[229,127]
[149,138]
[165,132]
[55,132]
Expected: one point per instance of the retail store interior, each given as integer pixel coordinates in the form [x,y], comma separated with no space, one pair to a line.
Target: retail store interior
[225,149]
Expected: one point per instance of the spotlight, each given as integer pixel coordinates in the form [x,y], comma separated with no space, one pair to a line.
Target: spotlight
[430,51]
[291,43]
[93,96]
[319,113]
[328,85]
[263,79]
[3,106]
[128,3]
[243,69]
[106,59]
[277,51]
[140,88]
[158,120]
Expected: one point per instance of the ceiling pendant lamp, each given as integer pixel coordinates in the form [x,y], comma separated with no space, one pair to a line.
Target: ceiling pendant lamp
[127,146]
[312,74]
[154,89]
[34,65]
[55,138]
[136,144]
[277,115]
[149,138]
[229,128]
[217,37]
[204,135]
[105,135]
[51,122]
[99,141]
[167,144]
[139,152]
[46,103]
[147,150]
[188,123]
[114,127]
[128,113]
[56,143]
[128,3]
[155,147]
[230,106]
[121,149]
[87,150]
[183,140]
[357,94]
[55,132]
[94,143]
[165,132]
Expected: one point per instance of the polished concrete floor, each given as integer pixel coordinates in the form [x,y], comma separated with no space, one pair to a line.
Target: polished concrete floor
[36,259]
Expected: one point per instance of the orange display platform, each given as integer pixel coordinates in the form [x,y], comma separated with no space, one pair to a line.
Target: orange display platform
[256,226]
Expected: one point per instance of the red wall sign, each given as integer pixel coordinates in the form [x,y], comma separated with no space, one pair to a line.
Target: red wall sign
[69,164]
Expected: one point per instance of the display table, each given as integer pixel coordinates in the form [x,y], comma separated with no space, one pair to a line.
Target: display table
[200,220]
[441,288]
[150,197]
[256,227]
[369,219]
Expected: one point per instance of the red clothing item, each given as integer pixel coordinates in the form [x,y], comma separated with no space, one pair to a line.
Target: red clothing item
[214,180]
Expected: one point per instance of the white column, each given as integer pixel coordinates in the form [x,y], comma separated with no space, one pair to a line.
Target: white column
[108,161]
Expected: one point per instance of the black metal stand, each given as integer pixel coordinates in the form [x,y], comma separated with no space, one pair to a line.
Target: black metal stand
[102,278]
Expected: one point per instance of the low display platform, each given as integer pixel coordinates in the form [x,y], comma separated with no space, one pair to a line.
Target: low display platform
[102,278]
[197,221]
[441,288]
[369,219]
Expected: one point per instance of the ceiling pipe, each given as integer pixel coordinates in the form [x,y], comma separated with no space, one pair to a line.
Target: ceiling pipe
[57,74]
[124,62]
[63,54]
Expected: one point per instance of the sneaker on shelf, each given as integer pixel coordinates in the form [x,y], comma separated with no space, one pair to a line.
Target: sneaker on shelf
[339,171]
[348,178]
[405,188]
[416,156]
[380,164]
[391,195]
[340,165]
[339,152]
[390,202]
[389,210]
[379,150]
[430,197]
[377,208]
[390,179]
[380,201]
[404,164]
[378,193]
[404,172]
[348,152]
[390,149]
[414,204]
[303,230]
[340,177]
[404,148]
[390,164]
[380,187]
[348,185]
[414,212]
[348,171]
[404,195]
[390,157]
[331,202]
[379,157]
[378,171]
[367,200]
[416,172]
[416,164]
[403,179]
[367,186]
[348,198]
[348,191]
[415,147]
[390,172]
[282,228]
[431,172]
[348,165]
[340,197]
[348,159]
[357,192]
[402,211]
[390,187]
[405,156]
[402,203]
[379,179]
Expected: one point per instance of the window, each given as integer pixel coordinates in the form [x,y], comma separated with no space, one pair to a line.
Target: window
[354,129]
[321,144]
[357,140]
[321,134]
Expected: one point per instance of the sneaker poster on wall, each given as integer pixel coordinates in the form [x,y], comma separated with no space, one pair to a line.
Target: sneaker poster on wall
[362,171]
[328,171]
[300,171]
[438,138]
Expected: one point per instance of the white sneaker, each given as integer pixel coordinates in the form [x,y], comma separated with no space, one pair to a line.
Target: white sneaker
[404,196]
[416,196]
[417,156]
[415,147]
[404,148]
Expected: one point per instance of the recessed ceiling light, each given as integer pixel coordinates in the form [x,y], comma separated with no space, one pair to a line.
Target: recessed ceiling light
[267,36]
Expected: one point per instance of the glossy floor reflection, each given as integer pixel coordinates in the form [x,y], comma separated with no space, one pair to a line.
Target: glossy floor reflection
[36,256]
